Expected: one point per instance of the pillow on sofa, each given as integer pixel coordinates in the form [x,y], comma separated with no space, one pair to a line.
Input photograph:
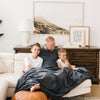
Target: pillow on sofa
[6,66]
[2,67]
[6,62]
[19,62]
[18,67]
[21,56]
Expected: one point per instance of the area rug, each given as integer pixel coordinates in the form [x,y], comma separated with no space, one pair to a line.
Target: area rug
[93,98]
[81,98]
[76,98]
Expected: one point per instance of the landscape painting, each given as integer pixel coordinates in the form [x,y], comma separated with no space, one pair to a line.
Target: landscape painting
[55,17]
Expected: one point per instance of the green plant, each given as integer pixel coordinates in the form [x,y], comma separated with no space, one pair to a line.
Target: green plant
[1,34]
[0,21]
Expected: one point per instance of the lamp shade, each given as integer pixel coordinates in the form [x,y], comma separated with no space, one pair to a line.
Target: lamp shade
[26,25]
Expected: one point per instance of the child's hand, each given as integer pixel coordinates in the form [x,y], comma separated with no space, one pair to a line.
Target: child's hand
[28,66]
[23,71]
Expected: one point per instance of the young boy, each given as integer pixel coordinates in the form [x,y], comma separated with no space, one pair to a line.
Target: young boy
[62,61]
[33,61]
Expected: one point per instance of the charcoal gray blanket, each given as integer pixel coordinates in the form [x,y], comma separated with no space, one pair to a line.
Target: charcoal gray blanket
[54,82]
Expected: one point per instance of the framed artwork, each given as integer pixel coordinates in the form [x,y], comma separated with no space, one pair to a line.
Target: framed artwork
[77,33]
[54,17]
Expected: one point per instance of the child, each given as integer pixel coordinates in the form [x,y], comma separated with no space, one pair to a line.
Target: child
[62,61]
[32,61]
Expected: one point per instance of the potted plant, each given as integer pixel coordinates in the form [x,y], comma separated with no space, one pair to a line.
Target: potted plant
[1,34]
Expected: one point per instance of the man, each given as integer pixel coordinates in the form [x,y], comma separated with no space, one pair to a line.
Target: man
[49,53]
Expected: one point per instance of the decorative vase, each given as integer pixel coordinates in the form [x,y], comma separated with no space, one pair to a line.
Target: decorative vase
[83,39]
[26,36]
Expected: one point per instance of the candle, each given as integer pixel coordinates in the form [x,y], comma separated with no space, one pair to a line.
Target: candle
[83,39]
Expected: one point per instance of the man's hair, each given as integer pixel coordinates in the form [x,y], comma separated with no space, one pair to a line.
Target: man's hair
[35,44]
[61,51]
[50,39]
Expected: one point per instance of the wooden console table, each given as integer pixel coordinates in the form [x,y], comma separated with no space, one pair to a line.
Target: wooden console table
[81,57]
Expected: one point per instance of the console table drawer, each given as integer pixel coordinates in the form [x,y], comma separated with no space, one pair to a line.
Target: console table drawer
[83,55]
[83,63]
[92,70]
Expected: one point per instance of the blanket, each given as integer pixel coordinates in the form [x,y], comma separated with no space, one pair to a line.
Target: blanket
[54,82]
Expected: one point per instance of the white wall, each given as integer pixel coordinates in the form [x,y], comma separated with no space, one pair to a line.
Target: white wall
[13,11]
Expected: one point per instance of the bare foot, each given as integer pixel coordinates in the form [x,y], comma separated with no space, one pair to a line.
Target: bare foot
[35,87]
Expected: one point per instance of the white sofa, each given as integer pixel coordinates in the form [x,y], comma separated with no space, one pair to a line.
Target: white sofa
[11,66]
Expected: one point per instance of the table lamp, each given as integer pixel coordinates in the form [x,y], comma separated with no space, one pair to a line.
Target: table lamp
[26,28]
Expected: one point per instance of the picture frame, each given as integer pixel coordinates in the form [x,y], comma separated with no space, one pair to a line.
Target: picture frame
[54,17]
[75,36]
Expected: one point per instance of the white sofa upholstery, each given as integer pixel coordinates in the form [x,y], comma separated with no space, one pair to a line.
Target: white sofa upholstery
[11,66]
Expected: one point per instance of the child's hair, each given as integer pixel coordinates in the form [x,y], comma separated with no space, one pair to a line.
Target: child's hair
[35,44]
[50,39]
[61,51]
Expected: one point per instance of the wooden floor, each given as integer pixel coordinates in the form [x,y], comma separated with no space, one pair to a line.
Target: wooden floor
[95,91]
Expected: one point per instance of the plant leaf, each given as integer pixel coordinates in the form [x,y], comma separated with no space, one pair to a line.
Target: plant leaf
[0,21]
[1,34]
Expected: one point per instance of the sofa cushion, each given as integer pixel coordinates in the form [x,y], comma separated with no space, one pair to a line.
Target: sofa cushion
[18,67]
[85,84]
[21,56]
[78,91]
[19,62]
[83,88]
[6,62]
[11,78]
